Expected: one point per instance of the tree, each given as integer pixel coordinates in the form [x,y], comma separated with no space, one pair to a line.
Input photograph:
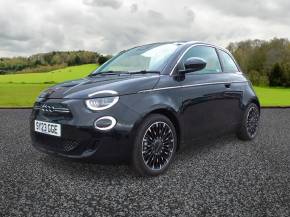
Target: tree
[275,77]
[257,59]
[47,61]
[77,60]
[102,59]
[254,76]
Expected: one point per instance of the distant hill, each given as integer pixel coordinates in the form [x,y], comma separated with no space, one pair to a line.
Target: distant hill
[45,62]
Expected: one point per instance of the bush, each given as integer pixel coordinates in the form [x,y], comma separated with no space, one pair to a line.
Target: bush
[254,77]
[263,80]
[42,62]
[265,62]
[276,74]
[102,59]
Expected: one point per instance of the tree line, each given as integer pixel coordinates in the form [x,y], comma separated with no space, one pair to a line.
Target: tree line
[265,62]
[49,61]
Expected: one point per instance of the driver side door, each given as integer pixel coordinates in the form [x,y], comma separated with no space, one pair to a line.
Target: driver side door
[205,106]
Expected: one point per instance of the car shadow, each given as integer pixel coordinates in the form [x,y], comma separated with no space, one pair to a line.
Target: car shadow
[86,168]
[208,143]
[91,169]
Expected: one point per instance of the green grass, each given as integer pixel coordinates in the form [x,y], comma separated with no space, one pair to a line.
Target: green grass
[21,90]
[56,76]
[20,95]
[270,96]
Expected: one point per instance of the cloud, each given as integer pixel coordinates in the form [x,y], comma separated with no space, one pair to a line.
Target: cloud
[155,15]
[190,14]
[270,10]
[108,26]
[134,8]
[115,4]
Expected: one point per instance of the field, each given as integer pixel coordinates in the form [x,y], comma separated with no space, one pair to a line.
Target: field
[19,95]
[273,96]
[20,90]
[52,77]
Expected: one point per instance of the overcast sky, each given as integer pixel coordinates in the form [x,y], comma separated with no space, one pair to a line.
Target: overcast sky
[108,26]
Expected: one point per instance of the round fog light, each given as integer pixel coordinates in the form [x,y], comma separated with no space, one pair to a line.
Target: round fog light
[105,123]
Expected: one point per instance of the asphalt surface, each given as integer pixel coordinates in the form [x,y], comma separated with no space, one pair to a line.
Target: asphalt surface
[221,177]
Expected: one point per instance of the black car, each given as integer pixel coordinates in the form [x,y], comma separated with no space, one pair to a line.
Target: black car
[146,103]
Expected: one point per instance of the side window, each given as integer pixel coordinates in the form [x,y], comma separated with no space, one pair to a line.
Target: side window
[227,62]
[208,54]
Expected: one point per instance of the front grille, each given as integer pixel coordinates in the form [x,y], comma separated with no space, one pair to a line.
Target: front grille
[52,107]
[69,145]
[53,111]
[57,144]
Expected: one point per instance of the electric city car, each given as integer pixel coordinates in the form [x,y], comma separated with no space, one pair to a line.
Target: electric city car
[145,104]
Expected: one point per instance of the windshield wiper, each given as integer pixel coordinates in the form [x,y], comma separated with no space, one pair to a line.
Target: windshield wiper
[144,72]
[124,72]
[106,73]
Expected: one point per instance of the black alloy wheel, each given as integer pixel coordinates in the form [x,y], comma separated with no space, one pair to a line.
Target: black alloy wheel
[250,123]
[155,145]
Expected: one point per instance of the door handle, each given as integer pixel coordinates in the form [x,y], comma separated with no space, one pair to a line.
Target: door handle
[228,85]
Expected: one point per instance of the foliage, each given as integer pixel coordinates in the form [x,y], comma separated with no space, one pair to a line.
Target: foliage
[275,76]
[47,61]
[102,59]
[265,62]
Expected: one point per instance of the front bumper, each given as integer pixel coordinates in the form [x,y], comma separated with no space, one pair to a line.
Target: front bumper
[79,139]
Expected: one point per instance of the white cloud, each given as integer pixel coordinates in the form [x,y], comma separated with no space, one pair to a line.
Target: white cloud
[109,26]
[134,8]
[115,4]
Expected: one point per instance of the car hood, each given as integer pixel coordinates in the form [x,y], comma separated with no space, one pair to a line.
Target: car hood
[80,89]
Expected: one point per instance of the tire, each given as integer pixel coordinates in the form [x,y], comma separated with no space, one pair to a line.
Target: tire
[154,146]
[250,123]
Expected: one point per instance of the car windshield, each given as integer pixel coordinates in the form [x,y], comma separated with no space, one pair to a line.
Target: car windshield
[146,58]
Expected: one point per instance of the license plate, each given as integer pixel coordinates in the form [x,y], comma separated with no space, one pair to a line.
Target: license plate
[47,128]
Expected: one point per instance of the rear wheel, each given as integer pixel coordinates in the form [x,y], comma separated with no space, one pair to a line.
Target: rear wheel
[155,145]
[250,123]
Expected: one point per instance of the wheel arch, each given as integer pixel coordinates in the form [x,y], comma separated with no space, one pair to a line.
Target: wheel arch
[250,96]
[255,101]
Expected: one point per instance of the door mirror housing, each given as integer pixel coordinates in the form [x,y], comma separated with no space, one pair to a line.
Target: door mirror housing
[193,64]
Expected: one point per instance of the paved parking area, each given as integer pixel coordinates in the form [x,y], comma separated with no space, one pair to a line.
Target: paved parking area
[221,177]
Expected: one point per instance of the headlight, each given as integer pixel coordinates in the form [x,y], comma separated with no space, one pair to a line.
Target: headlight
[101,103]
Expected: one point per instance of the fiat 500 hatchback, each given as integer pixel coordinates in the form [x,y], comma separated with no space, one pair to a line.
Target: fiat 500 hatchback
[145,104]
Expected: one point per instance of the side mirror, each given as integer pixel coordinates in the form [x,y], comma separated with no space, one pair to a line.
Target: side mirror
[194,64]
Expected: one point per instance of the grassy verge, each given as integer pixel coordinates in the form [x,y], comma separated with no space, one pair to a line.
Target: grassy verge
[55,76]
[19,95]
[21,90]
[270,96]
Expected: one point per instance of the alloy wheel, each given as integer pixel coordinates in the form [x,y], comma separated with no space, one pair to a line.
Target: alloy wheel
[252,121]
[157,145]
